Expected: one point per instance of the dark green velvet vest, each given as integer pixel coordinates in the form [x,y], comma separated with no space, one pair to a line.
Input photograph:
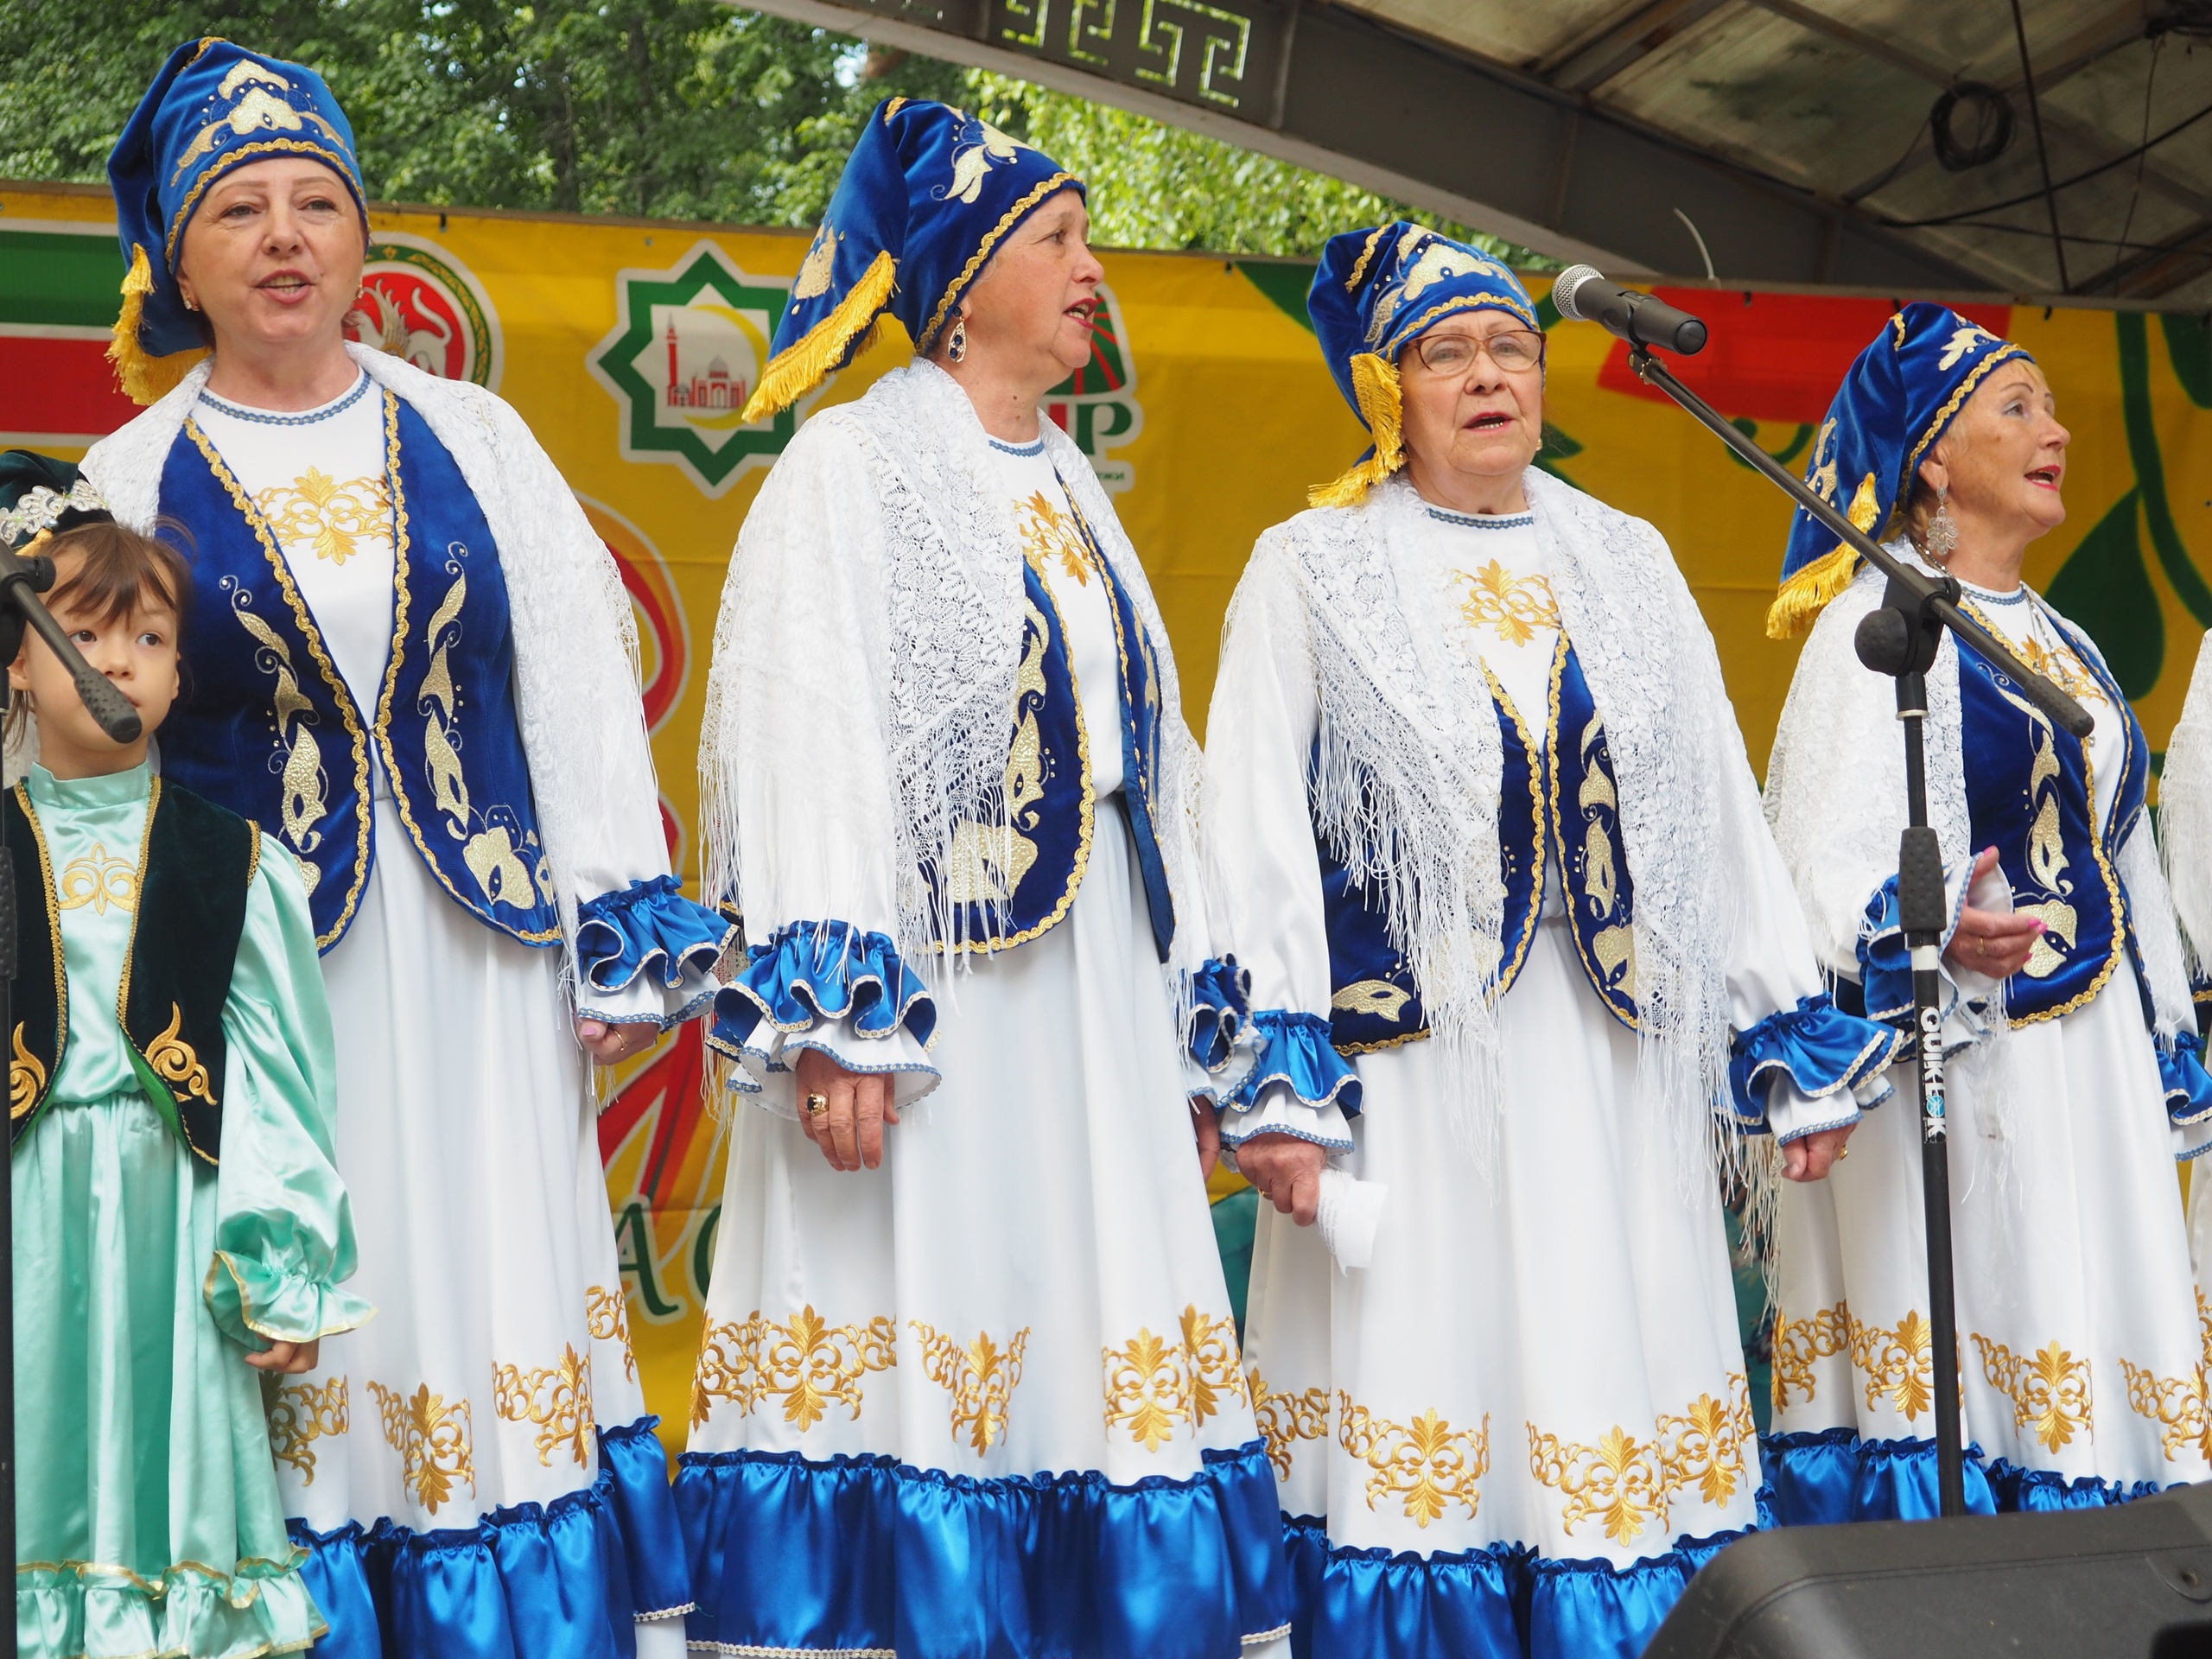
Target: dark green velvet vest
[196,867]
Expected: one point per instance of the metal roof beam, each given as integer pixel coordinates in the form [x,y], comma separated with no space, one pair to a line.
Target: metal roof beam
[1323,88]
[1587,66]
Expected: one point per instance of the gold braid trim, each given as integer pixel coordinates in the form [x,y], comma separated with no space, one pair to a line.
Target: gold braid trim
[1375,386]
[810,360]
[145,379]
[984,249]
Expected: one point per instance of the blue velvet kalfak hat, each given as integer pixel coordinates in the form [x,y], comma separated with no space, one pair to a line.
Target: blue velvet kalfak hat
[927,196]
[213,107]
[1900,394]
[1377,291]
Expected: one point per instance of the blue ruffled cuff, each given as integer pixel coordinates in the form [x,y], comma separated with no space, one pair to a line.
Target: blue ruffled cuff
[1221,1002]
[1824,1050]
[816,975]
[1293,1050]
[2189,1087]
[651,925]
[1885,961]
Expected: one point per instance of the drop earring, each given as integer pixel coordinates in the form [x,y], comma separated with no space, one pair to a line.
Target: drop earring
[956,346]
[1943,529]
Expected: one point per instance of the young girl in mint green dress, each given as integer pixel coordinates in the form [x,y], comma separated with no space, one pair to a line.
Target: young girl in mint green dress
[179,1229]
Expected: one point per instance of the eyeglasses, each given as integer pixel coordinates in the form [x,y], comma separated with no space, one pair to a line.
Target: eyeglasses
[1511,349]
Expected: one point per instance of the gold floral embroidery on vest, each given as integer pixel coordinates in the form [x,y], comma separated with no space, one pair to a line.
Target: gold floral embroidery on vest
[301,1414]
[557,1398]
[807,1363]
[330,517]
[305,797]
[1515,608]
[1631,1483]
[1287,1419]
[1799,1343]
[173,1061]
[1048,534]
[2050,1390]
[26,1079]
[607,1316]
[980,1375]
[435,1444]
[1427,1464]
[985,865]
[1897,1362]
[2177,1404]
[100,880]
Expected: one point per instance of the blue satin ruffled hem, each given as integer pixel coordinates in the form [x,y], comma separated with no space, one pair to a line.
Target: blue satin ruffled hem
[1293,1050]
[647,925]
[2043,1490]
[811,973]
[865,1553]
[568,1578]
[1221,1001]
[2188,1086]
[1824,1050]
[1826,1475]
[1502,1602]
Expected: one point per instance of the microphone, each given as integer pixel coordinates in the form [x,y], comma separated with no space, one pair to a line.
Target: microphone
[1582,294]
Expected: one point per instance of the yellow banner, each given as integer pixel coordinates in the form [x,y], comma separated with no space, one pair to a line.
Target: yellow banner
[630,348]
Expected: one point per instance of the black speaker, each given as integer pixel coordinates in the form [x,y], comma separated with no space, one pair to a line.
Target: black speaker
[2132,1580]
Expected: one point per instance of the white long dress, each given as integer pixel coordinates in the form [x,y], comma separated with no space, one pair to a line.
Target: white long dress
[2185,836]
[475,1466]
[1526,1422]
[2080,1340]
[986,1398]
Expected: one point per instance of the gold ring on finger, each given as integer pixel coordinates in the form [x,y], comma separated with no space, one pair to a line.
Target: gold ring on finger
[816,1104]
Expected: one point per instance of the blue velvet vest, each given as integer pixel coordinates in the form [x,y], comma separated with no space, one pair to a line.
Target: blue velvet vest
[2031,793]
[1557,798]
[1016,888]
[270,730]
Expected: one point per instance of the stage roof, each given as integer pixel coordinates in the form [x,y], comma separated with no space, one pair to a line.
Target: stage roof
[1799,139]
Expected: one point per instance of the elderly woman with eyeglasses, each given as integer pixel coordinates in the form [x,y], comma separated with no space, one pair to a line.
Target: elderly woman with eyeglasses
[1478,813]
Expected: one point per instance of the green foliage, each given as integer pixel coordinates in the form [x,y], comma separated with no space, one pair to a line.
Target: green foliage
[677,109]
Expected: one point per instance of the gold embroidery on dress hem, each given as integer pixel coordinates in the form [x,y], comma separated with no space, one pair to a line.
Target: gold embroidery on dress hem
[1427,1464]
[99,879]
[1799,1342]
[2050,1390]
[981,1376]
[1515,608]
[1152,1384]
[1632,1483]
[2177,1404]
[173,1061]
[26,1078]
[1899,1363]
[301,1414]
[1286,1418]
[329,517]
[432,1438]
[563,1414]
[607,1316]
[807,1361]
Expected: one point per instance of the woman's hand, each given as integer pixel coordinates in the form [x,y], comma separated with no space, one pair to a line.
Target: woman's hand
[287,1358]
[1206,1125]
[856,1106]
[1993,944]
[1287,1172]
[608,1043]
[1810,1157]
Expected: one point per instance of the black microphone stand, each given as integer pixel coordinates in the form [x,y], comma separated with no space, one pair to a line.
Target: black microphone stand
[1899,640]
[22,581]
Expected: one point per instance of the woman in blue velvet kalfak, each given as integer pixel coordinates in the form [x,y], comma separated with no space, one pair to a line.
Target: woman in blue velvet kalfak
[1480,825]
[2072,1077]
[413,666]
[970,1382]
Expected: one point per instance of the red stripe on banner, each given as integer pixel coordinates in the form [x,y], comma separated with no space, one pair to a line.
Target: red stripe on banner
[60,386]
[1772,357]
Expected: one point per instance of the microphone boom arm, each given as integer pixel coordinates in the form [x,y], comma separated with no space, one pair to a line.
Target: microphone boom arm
[1938,596]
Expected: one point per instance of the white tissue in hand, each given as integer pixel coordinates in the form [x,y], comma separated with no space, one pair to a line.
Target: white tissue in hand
[1349,1212]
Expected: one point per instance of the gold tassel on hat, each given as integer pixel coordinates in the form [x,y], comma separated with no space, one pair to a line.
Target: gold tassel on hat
[1806,594]
[806,364]
[144,379]
[1375,384]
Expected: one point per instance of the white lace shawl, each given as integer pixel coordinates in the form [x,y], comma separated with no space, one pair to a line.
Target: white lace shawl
[1835,796]
[576,639]
[886,546]
[2185,813]
[1407,788]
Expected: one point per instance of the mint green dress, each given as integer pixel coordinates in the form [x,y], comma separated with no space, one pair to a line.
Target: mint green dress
[147,1510]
